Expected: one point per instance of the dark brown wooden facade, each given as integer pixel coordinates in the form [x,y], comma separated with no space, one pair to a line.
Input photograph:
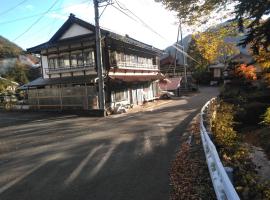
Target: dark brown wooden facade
[131,68]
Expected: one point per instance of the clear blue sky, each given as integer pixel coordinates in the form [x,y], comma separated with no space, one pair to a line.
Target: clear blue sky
[40,32]
[153,13]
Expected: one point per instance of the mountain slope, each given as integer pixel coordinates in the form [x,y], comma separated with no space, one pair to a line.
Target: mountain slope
[186,41]
[9,49]
[171,50]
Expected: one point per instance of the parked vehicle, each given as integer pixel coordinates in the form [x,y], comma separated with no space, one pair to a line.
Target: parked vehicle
[166,95]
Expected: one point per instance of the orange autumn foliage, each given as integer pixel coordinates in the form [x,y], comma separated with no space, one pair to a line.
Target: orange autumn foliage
[246,71]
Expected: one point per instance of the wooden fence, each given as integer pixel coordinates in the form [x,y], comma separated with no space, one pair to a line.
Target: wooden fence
[63,98]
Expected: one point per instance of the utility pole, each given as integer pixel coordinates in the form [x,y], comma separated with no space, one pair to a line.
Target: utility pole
[184,56]
[101,99]
[175,55]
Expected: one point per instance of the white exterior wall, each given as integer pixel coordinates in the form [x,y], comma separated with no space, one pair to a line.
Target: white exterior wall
[75,30]
[45,66]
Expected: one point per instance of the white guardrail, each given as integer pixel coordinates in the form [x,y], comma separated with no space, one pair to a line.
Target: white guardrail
[223,187]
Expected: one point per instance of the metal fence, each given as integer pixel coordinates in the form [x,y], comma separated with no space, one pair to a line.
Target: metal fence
[223,187]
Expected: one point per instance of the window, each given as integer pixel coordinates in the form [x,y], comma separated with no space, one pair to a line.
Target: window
[134,59]
[150,62]
[120,96]
[127,58]
[61,61]
[55,60]
[88,57]
[80,59]
[117,56]
[51,63]
[66,63]
[217,73]
[73,59]
[122,57]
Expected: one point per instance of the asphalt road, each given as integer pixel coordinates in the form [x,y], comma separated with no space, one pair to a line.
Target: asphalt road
[123,157]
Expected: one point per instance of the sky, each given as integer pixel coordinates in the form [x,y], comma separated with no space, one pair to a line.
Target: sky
[154,14]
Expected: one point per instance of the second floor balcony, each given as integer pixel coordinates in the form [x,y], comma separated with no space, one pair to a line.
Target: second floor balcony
[123,60]
[75,61]
[136,66]
[65,69]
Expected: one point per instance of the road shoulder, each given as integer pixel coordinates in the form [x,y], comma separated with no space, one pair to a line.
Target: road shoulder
[189,176]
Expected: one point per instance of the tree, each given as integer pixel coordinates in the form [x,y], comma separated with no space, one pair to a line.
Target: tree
[246,72]
[194,12]
[3,86]
[9,49]
[266,117]
[18,73]
[194,51]
[263,58]
[212,45]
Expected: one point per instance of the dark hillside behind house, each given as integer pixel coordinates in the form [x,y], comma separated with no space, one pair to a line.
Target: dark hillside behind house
[15,64]
[9,49]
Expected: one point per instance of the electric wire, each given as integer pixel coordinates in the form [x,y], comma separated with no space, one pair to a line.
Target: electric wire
[108,3]
[35,22]
[150,28]
[50,26]
[35,15]
[12,8]
[125,13]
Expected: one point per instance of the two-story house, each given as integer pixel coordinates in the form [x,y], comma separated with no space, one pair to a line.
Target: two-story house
[69,73]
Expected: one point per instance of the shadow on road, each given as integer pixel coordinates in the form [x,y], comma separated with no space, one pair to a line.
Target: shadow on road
[94,159]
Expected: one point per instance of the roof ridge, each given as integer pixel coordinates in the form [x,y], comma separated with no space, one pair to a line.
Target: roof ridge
[73,19]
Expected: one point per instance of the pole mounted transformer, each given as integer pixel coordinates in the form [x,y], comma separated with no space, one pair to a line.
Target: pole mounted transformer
[101,96]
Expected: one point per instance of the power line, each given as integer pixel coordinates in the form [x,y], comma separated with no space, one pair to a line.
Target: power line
[35,22]
[49,26]
[42,13]
[12,8]
[145,24]
[54,22]
[124,13]
[109,3]
[150,28]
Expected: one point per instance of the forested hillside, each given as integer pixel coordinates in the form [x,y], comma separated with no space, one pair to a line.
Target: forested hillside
[15,64]
[8,49]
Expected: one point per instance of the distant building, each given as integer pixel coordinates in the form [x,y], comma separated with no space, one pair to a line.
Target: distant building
[172,57]
[217,70]
[69,73]
[168,68]
[242,58]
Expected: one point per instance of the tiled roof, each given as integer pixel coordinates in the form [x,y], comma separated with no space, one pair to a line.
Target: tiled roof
[53,81]
[170,83]
[72,19]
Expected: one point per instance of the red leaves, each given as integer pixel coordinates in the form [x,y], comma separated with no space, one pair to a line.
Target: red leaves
[246,71]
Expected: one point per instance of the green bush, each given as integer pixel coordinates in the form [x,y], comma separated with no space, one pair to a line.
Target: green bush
[266,117]
[202,77]
[222,123]
[235,154]
[251,113]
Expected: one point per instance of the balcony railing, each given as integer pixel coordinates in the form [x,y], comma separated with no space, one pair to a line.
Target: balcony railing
[90,67]
[136,66]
